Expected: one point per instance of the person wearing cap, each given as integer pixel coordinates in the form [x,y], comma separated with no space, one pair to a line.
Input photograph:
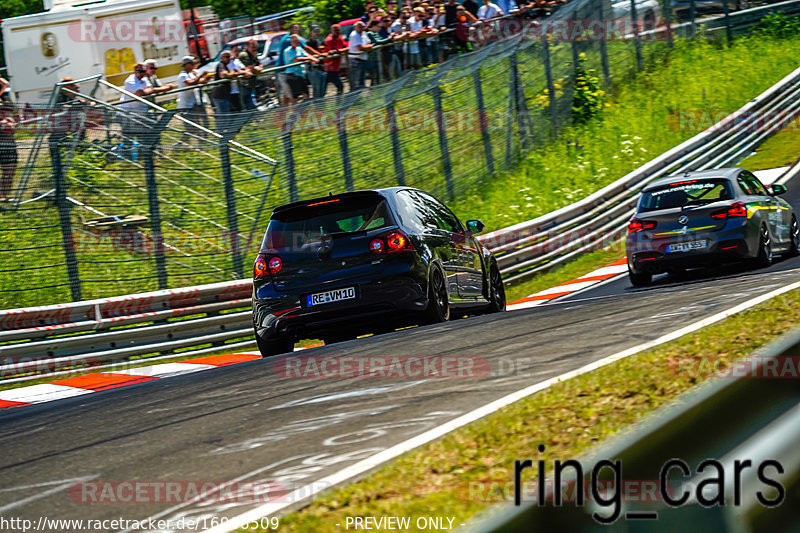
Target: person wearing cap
[135,122]
[221,93]
[190,103]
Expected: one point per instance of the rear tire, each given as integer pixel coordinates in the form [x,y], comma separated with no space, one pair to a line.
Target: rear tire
[764,257]
[497,292]
[438,309]
[639,279]
[270,347]
[794,235]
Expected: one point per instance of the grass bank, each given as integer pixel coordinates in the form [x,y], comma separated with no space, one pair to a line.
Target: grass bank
[701,80]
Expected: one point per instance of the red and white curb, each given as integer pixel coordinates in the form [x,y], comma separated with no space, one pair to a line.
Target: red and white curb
[584,282]
[99,381]
[87,383]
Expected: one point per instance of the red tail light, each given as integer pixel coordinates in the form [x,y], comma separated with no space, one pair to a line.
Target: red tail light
[737,210]
[274,264]
[394,241]
[265,266]
[260,267]
[640,225]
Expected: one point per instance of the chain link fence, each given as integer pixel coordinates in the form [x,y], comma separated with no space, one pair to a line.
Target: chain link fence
[107,201]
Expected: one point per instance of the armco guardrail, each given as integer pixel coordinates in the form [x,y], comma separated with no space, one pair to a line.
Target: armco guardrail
[750,412]
[217,313]
[529,247]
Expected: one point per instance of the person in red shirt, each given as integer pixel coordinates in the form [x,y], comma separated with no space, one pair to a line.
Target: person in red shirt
[334,44]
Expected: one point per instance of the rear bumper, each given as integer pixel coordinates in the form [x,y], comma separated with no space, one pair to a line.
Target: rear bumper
[379,303]
[646,255]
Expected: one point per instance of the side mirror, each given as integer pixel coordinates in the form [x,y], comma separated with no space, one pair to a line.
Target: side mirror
[777,189]
[474,226]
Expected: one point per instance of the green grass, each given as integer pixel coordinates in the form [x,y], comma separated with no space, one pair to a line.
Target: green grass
[780,150]
[640,122]
[586,263]
[468,470]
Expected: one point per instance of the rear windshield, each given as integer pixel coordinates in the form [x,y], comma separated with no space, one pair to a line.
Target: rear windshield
[683,193]
[307,224]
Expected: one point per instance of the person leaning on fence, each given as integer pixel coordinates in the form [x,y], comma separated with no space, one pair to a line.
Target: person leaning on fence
[316,74]
[252,66]
[489,11]
[190,103]
[221,93]
[135,122]
[296,56]
[8,149]
[235,69]
[357,48]
[334,44]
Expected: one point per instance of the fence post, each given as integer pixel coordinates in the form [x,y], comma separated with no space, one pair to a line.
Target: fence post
[288,152]
[64,220]
[728,28]
[551,88]
[636,40]
[667,10]
[520,107]
[155,215]
[397,153]
[692,17]
[230,203]
[487,141]
[344,149]
[148,139]
[440,126]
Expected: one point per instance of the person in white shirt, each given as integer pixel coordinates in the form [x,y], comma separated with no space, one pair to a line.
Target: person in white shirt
[489,10]
[190,103]
[357,46]
[134,122]
[416,24]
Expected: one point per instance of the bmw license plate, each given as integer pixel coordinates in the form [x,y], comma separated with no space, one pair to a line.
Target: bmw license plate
[337,295]
[686,246]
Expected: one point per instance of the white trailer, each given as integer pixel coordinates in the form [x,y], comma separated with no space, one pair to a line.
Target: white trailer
[85,39]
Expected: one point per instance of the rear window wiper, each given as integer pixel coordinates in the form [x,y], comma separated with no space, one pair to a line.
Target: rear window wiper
[700,201]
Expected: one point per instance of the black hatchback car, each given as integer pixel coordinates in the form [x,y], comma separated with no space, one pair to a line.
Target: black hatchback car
[705,218]
[367,262]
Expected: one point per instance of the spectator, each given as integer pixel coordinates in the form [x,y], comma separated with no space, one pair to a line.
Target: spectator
[416,24]
[63,96]
[190,103]
[296,75]
[251,67]
[465,19]
[5,90]
[357,47]
[390,55]
[489,11]
[471,6]
[8,150]
[151,65]
[135,123]
[334,44]
[374,56]
[235,69]
[400,29]
[221,94]
[316,74]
